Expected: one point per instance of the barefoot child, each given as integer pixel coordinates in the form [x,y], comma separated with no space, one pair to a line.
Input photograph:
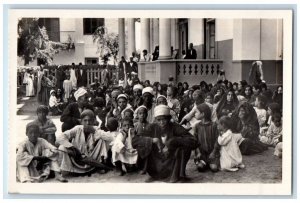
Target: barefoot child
[206,134]
[36,157]
[122,151]
[230,154]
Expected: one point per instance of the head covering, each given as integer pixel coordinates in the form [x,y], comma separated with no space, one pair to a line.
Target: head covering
[161,110]
[42,108]
[122,96]
[138,86]
[52,91]
[80,92]
[161,96]
[87,112]
[140,107]
[148,89]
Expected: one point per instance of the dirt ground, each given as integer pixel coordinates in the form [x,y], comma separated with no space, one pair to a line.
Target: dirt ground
[260,168]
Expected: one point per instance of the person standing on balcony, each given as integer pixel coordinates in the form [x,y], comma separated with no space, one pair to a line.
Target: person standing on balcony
[191,53]
[145,57]
[133,66]
[155,54]
[81,76]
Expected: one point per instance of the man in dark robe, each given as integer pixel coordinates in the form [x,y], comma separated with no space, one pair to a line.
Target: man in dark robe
[81,76]
[167,149]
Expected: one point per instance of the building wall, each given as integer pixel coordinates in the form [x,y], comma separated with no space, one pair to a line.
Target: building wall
[196,35]
[224,44]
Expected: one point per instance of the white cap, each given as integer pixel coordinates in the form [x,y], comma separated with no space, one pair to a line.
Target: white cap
[52,91]
[122,96]
[80,92]
[138,86]
[148,89]
[161,110]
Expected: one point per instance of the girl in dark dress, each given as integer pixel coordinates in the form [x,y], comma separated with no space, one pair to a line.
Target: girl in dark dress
[206,133]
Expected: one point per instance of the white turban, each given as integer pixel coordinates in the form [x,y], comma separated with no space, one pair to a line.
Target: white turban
[148,89]
[52,91]
[122,96]
[140,107]
[80,92]
[138,86]
[161,110]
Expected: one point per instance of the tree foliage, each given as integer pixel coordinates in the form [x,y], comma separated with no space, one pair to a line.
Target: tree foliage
[107,44]
[34,42]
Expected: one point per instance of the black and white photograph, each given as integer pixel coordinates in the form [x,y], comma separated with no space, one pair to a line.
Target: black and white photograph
[150,102]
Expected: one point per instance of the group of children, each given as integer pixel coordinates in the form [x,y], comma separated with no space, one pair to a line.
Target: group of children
[209,112]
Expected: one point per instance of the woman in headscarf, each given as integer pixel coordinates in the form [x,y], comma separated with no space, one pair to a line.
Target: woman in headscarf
[167,149]
[246,123]
[227,104]
[81,146]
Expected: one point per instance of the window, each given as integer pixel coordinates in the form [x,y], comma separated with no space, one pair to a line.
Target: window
[90,25]
[52,27]
[209,35]
[89,61]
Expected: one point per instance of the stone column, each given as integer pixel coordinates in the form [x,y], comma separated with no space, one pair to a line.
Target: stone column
[145,34]
[155,32]
[131,36]
[164,38]
[121,29]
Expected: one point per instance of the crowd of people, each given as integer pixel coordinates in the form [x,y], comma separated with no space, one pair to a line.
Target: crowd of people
[154,129]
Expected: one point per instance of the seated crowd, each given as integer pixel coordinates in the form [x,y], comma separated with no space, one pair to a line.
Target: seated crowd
[152,128]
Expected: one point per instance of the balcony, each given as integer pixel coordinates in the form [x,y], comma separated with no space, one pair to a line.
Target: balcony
[183,70]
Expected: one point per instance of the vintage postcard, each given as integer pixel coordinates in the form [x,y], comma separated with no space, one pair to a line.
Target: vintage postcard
[177,102]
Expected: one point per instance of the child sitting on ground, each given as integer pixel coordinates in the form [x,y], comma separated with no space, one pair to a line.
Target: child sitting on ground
[36,158]
[206,133]
[274,133]
[122,151]
[54,105]
[230,154]
[259,107]
[142,128]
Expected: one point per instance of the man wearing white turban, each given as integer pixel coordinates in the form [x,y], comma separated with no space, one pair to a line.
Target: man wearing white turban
[71,115]
[167,150]
[147,95]
[137,94]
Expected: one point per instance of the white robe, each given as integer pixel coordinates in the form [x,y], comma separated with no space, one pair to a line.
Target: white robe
[123,151]
[93,146]
[68,86]
[231,156]
[28,80]
[26,167]
[73,78]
